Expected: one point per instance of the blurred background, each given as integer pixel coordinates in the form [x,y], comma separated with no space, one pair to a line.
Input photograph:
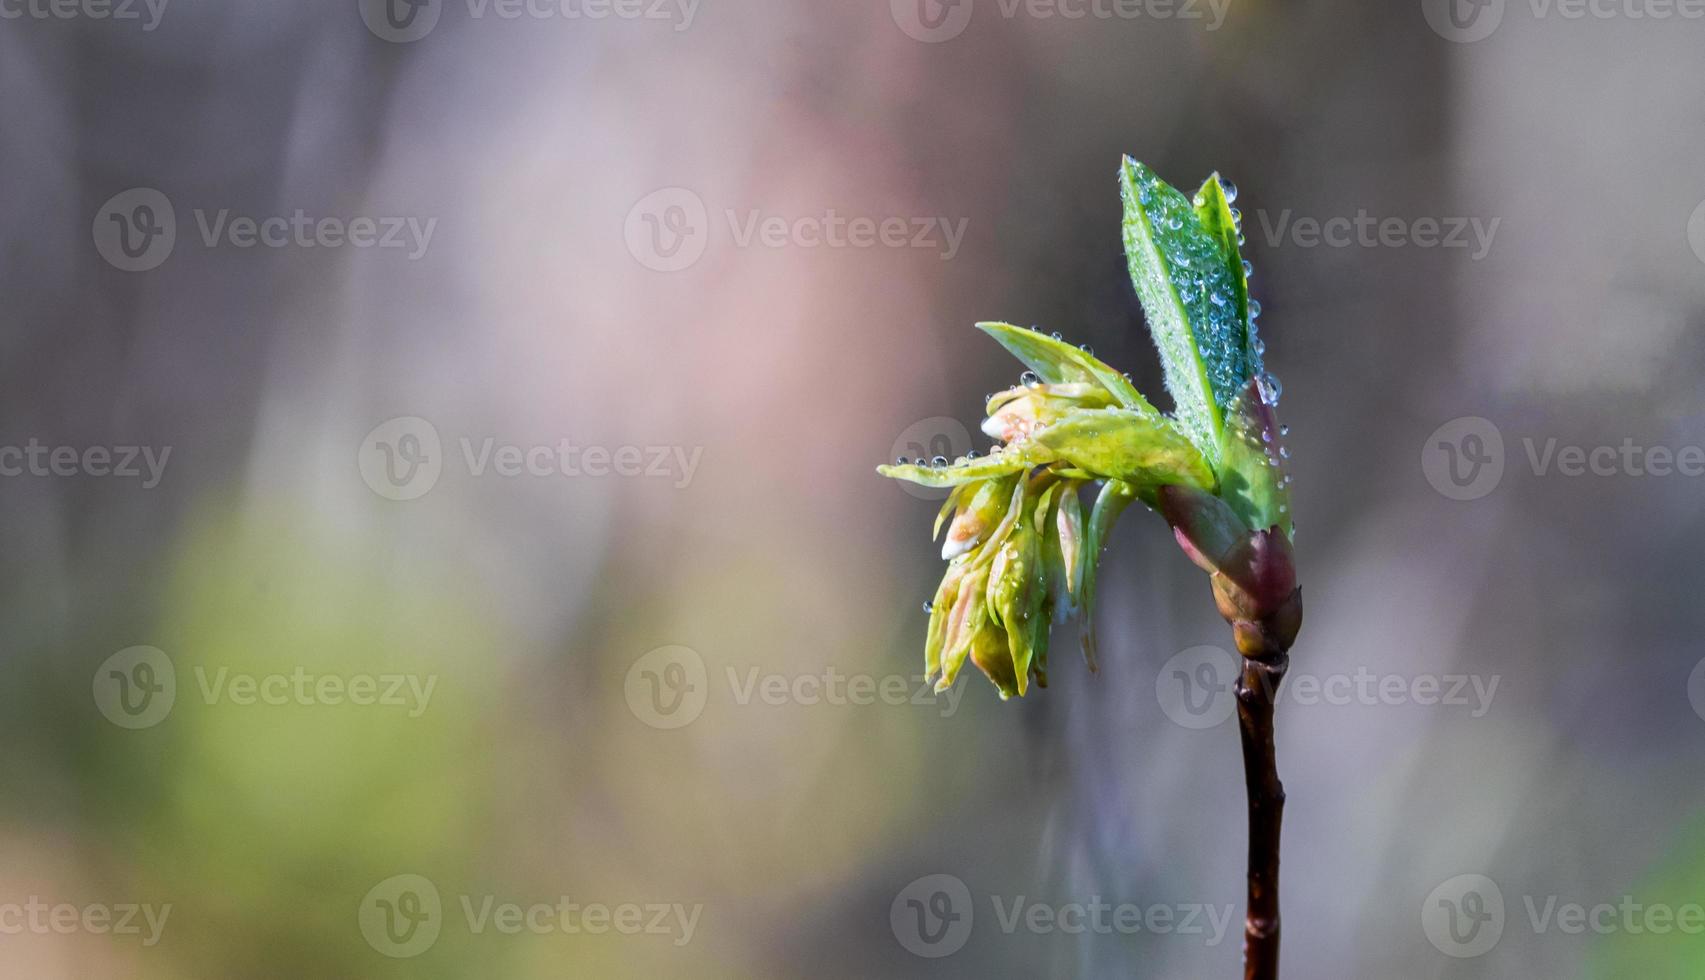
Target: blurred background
[442,536]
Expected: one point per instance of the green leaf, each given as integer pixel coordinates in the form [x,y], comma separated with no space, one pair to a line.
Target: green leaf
[1011,460]
[1213,210]
[1057,362]
[1109,504]
[1141,449]
[1252,473]
[1190,286]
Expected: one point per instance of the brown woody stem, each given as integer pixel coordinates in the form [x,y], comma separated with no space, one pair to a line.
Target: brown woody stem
[1256,687]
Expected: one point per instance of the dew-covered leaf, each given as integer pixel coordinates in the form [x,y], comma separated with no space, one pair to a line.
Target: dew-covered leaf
[1189,285]
[1253,477]
[1057,362]
[1138,448]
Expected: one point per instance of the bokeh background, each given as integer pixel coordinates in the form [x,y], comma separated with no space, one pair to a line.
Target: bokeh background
[633,677]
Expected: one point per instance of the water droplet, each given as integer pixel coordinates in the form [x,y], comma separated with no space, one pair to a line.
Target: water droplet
[1230,190]
[1266,435]
[1056,335]
[1259,346]
[973,454]
[1270,388]
[1254,308]
[1284,430]
[938,461]
[1237,217]
[1086,349]
[929,607]
[1029,379]
[1248,268]
[1284,452]
[902,461]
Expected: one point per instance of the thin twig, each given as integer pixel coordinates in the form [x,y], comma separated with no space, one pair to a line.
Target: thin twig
[1256,686]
